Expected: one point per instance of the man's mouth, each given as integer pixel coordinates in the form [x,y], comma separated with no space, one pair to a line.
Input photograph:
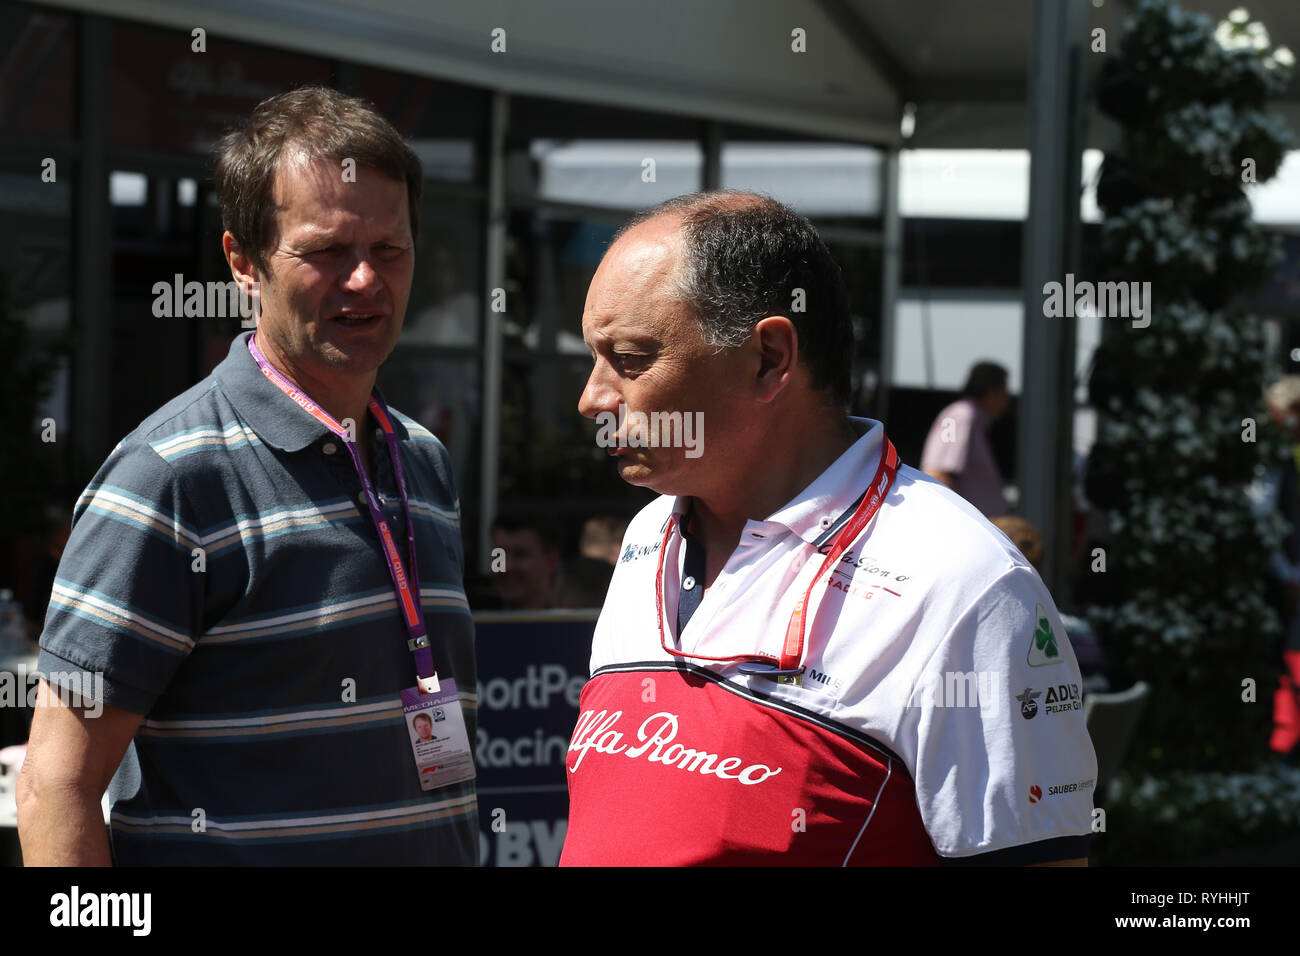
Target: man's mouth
[357,319]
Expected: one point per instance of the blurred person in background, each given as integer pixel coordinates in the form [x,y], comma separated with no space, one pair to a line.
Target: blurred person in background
[530,548]
[583,583]
[1277,491]
[957,450]
[602,537]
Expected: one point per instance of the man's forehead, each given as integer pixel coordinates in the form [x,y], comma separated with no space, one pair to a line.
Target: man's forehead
[318,186]
[647,248]
[636,271]
[300,176]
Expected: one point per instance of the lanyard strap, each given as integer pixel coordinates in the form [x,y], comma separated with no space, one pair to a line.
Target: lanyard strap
[792,648]
[405,583]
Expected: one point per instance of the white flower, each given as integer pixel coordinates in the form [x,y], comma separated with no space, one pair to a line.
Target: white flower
[1283,55]
[1229,38]
[1239,16]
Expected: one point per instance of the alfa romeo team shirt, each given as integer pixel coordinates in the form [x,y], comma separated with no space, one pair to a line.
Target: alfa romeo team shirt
[939,717]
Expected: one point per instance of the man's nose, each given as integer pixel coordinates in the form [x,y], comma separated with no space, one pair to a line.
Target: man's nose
[599,394]
[361,275]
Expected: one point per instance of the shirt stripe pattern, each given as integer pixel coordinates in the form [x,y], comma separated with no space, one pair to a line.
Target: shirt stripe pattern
[223,579]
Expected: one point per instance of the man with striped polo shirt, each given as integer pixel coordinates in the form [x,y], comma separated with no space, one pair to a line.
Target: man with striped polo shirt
[810,653]
[268,571]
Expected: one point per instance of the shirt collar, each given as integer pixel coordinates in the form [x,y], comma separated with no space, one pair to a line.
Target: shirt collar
[820,509]
[273,415]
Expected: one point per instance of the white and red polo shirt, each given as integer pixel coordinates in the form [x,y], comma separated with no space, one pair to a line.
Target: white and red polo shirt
[939,718]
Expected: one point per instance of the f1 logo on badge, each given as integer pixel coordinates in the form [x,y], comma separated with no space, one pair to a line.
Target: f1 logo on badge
[428,770]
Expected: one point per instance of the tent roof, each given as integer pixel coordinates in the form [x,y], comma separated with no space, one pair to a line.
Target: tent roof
[964,64]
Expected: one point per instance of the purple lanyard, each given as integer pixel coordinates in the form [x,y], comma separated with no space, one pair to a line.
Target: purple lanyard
[407,584]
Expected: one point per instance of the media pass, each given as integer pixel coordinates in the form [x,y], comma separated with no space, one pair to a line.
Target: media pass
[438,737]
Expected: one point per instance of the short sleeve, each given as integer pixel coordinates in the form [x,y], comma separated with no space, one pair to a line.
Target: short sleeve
[127,600]
[947,445]
[1004,763]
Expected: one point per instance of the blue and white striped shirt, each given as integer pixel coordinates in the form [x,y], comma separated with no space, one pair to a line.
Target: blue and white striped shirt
[225,578]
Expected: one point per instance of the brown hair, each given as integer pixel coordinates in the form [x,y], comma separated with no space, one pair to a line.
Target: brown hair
[320,122]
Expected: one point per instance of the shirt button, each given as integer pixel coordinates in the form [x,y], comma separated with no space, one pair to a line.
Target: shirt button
[825,522]
[329,448]
[688,583]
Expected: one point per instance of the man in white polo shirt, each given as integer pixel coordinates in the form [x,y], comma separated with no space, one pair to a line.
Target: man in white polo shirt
[810,653]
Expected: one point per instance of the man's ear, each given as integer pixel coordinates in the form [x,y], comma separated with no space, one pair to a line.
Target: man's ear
[241,265]
[778,353]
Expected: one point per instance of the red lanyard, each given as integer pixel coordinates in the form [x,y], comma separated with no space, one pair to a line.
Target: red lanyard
[791,659]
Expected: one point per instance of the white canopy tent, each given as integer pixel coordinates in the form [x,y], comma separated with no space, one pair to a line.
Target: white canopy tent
[964,65]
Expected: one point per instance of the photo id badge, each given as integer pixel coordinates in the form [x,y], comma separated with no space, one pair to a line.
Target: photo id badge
[436,727]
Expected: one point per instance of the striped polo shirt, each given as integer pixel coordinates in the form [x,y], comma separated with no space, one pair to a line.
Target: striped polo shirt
[225,577]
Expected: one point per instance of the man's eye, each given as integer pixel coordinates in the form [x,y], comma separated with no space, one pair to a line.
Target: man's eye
[629,359]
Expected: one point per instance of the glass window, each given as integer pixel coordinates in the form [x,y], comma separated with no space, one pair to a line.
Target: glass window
[445,123]
[549,455]
[38,71]
[434,374]
[35,288]
[820,180]
[599,156]
[964,183]
[155,356]
[446,305]
[621,174]
[938,338]
[551,258]
[860,264]
[443,393]
[165,98]
[962,253]
[37,484]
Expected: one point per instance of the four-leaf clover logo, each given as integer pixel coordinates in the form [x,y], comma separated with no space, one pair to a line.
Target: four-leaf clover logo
[1044,639]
